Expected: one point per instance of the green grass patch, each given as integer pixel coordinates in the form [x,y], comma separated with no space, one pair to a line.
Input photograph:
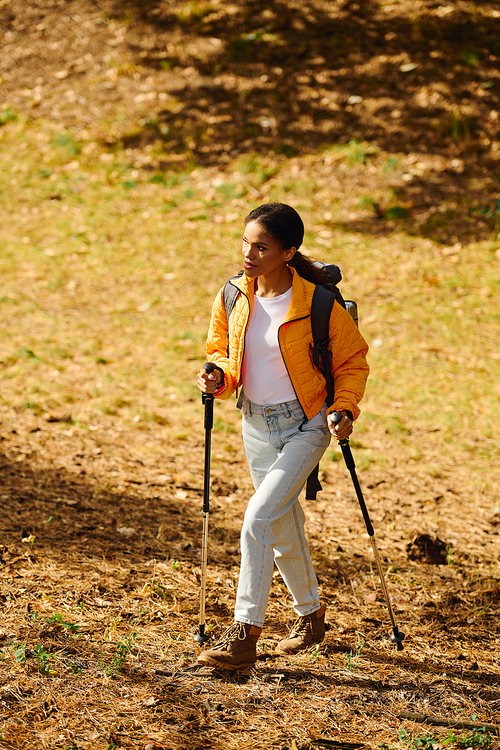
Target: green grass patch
[112,288]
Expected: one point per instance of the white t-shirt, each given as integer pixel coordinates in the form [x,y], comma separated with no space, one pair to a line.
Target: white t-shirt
[264,375]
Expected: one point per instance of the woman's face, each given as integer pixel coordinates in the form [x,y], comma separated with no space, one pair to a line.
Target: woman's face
[262,254]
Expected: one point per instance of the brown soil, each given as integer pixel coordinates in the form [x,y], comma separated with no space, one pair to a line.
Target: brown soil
[112,546]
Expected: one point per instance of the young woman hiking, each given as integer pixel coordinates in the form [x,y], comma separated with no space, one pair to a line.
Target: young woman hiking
[266,348]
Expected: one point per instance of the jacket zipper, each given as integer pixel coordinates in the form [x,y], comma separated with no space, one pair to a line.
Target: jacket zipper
[244,333]
[283,358]
[293,320]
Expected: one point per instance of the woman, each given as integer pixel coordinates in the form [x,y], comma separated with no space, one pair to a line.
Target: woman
[266,348]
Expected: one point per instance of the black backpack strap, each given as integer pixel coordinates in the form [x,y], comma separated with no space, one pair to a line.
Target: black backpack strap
[321,308]
[230,294]
[313,485]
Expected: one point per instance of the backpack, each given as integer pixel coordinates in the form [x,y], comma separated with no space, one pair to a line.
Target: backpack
[324,297]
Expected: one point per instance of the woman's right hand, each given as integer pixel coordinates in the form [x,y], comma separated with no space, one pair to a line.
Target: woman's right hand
[209,382]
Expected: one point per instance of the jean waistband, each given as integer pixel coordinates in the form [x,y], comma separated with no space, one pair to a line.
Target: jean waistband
[285,408]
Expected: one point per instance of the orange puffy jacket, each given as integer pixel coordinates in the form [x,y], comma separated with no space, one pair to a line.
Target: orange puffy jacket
[296,344]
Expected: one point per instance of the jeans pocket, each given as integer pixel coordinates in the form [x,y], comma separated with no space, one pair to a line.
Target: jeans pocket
[297,413]
[318,422]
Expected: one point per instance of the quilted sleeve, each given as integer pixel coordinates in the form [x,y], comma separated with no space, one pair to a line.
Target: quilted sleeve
[217,346]
[349,364]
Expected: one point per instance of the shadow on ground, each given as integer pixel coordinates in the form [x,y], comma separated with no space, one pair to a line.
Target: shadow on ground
[293,81]
[61,514]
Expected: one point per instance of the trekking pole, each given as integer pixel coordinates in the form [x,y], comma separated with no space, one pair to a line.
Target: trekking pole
[208,401]
[396,635]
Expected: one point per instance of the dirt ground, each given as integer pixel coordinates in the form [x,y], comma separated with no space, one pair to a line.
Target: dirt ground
[101,586]
[100,546]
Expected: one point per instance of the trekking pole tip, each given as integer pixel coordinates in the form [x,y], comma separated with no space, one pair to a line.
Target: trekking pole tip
[397,637]
[201,637]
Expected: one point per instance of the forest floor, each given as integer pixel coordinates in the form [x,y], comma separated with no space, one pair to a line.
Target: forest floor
[134,139]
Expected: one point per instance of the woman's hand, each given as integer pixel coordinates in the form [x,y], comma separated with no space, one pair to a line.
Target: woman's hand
[209,382]
[343,429]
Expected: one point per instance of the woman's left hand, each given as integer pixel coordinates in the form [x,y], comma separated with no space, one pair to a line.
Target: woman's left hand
[342,430]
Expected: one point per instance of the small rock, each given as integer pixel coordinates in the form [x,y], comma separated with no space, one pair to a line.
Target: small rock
[57,417]
[126,530]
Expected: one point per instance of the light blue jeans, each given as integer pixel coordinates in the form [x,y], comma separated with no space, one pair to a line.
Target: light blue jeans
[280,457]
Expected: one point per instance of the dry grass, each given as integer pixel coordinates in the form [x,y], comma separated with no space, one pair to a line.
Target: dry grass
[98,650]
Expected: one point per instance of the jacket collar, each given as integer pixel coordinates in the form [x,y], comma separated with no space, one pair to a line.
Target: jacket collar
[302,292]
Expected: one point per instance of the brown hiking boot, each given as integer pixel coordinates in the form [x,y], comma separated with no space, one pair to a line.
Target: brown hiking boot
[305,632]
[236,649]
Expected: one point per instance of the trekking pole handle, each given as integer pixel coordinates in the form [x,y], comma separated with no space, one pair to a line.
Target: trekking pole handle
[208,400]
[336,417]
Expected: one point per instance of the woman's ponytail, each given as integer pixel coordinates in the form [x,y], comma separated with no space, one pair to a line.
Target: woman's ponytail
[308,269]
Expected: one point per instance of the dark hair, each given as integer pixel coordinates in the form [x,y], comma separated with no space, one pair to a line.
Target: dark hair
[283,223]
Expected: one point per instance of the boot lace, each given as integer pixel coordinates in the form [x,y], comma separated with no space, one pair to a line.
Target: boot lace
[235,632]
